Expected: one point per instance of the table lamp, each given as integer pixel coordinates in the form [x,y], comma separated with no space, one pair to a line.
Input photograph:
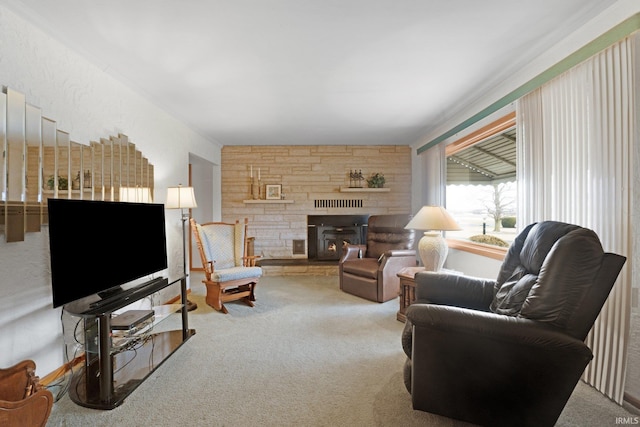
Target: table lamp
[432,247]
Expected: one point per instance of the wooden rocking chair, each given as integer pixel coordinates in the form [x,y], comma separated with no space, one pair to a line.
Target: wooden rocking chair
[23,400]
[230,274]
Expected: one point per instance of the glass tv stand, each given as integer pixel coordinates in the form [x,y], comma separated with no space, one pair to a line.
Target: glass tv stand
[117,361]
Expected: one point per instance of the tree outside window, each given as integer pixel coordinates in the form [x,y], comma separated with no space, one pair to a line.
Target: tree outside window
[481,185]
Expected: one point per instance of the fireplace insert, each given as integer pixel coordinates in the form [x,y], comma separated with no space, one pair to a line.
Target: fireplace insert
[327,234]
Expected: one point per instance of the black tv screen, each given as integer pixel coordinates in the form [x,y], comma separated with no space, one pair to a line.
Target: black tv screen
[98,246]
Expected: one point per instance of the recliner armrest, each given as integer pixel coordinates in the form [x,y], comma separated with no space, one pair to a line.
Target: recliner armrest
[351,252]
[400,252]
[453,289]
[397,259]
[494,327]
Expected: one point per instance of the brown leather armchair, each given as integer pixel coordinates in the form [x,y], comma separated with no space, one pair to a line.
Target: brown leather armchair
[509,351]
[370,271]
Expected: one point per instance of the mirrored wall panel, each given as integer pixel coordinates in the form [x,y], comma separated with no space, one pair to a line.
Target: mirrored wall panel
[3,160]
[33,173]
[16,168]
[40,161]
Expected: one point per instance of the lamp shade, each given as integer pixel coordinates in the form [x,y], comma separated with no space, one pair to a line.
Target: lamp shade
[432,218]
[432,247]
[180,198]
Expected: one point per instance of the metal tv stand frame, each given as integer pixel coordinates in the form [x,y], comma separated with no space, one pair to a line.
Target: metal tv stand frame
[112,371]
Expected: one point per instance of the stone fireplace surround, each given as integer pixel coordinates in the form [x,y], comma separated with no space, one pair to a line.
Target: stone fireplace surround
[313,180]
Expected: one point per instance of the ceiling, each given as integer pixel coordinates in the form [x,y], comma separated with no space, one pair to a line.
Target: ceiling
[253,72]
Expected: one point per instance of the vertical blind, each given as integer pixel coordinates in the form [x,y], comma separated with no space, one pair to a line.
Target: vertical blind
[576,140]
[434,167]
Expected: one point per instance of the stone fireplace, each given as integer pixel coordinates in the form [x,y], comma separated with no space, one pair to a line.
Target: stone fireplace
[315,185]
[327,234]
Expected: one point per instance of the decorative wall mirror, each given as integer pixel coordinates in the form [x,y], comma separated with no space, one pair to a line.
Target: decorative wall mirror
[116,165]
[85,172]
[95,174]
[49,166]
[75,170]
[61,175]
[33,174]
[3,160]
[40,161]
[15,158]
[107,165]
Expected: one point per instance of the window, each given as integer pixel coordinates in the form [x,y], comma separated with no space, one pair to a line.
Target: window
[481,184]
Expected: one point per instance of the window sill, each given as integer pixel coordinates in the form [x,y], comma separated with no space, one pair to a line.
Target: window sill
[478,249]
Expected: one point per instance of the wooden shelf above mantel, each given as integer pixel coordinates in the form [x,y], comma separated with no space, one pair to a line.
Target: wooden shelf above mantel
[364,190]
[263,201]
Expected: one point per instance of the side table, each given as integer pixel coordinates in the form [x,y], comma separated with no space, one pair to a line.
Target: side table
[407,290]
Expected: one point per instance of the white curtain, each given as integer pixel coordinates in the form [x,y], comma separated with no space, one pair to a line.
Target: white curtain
[576,140]
[434,176]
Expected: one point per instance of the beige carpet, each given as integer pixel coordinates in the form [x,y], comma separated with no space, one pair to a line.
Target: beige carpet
[306,355]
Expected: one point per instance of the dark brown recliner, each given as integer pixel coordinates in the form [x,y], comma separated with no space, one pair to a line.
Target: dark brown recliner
[510,351]
[370,271]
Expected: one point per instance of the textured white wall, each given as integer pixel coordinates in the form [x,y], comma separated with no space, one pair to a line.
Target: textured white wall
[89,104]
[473,265]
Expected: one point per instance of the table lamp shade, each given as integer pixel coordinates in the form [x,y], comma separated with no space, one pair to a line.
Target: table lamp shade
[180,198]
[432,247]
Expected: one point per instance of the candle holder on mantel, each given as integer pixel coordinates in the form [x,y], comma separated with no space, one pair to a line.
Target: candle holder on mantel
[255,188]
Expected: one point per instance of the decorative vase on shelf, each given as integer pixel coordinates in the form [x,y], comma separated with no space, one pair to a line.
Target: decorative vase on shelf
[255,188]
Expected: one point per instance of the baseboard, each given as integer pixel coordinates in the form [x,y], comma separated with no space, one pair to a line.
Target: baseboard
[631,403]
[61,371]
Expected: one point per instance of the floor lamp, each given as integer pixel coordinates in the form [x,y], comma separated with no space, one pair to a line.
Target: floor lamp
[432,247]
[182,198]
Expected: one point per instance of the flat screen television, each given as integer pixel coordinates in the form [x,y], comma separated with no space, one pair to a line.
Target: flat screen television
[98,246]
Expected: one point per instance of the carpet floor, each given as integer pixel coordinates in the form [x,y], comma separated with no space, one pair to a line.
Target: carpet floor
[306,355]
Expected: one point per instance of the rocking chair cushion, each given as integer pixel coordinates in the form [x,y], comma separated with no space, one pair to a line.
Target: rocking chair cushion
[235,273]
[216,245]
